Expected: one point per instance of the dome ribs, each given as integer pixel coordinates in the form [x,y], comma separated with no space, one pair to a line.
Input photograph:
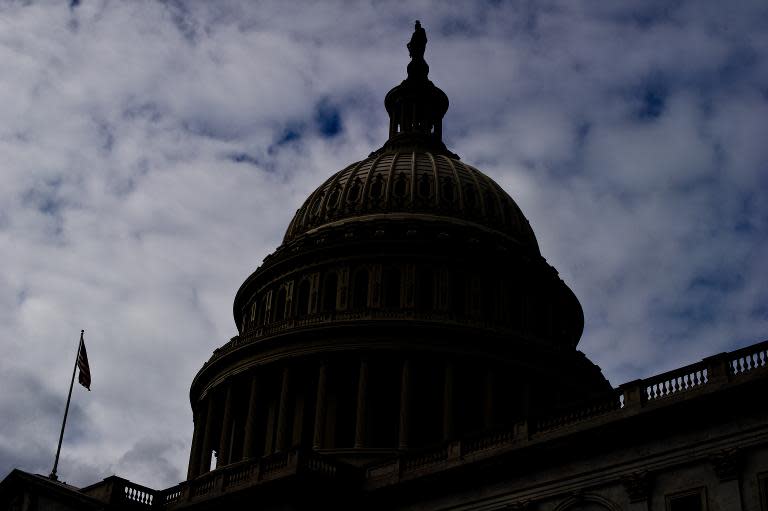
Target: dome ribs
[413,180]
[479,191]
[351,176]
[307,207]
[437,178]
[460,191]
[366,183]
[390,179]
[326,200]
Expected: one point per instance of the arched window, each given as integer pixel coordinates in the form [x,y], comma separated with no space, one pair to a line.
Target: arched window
[302,301]
[458,294]
[392,282]
[279,314]
[425,289]
[490,298]
[263,311]
[330,289]
[588,502]
[360,289]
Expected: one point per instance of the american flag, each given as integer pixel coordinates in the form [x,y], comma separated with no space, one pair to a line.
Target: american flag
[82,363]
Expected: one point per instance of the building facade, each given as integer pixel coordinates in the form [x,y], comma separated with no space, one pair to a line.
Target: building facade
[408,347]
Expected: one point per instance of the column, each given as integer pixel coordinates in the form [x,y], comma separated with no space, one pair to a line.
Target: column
[282,414]
[194,454]
[408,288]
[225,438]
[489,399]
[269,431]
[374,286]
[448,401]
[362,392]
[298,417]
[405,403]
[320,406]
[249,440]
[205,453]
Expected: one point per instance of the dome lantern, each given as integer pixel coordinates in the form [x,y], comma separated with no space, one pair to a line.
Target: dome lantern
[416,107]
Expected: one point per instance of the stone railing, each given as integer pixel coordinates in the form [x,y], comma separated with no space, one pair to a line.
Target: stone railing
[682,379]
[489,442]
[137,494]
[447,455]
[748,359]
[170,495]
[115,490]
[701,376]
[587,410]
[425,458]
[246,473]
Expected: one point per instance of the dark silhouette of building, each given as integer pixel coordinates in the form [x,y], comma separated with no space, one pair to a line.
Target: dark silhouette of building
[408,347]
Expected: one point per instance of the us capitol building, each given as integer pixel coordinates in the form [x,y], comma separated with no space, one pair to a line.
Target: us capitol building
[408,347]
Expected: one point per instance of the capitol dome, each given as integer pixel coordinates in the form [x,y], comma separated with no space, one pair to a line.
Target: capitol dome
[416,185]
[407,306]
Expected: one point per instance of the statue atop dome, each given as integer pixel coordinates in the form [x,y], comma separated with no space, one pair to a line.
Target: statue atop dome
[418,69]
[418,42]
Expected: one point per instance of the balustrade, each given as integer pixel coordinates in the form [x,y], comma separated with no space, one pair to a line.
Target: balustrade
[748,359]
[486,442]
[172,495]
[674,382]
[426,458]
[138,494]
[241,473]
[586,411]
[204,486]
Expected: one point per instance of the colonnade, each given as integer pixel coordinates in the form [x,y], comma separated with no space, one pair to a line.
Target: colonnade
[410,290]
[411,402]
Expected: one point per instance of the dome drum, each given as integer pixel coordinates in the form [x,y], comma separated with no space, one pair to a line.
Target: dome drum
[435,284]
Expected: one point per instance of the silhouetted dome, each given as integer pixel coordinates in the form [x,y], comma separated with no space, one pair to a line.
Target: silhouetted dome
[418,185]
[408,307]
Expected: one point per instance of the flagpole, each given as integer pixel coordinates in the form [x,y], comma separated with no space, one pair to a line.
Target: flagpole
[66,410]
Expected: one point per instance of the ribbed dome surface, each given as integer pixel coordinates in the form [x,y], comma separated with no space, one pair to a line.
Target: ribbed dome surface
[416,182]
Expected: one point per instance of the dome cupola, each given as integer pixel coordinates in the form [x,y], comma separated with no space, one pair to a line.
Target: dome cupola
[416,107]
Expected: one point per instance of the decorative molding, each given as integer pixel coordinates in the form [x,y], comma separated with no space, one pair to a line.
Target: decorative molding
[637,485]
[578,498]
[727,464]
[523,505]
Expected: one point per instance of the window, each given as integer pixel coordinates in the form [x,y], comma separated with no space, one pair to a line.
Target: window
[425,287]
[330,288]
[302,303]
[280,305]
[360,289]
[692,500]
[391,287]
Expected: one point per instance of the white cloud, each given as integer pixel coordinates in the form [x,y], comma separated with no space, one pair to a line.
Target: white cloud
[124,211]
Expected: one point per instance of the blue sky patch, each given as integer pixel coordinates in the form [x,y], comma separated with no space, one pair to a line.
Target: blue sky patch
[328,118]
[243,158]
[651,99]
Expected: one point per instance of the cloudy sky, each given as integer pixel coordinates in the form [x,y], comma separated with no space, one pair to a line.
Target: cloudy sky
[152,153]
